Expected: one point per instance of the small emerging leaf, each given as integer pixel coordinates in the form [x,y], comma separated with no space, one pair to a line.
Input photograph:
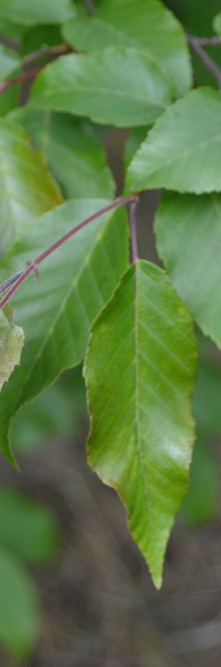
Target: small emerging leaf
[140,370]
[11,342]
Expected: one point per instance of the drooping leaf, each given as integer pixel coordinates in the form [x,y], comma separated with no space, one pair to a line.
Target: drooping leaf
[73,152]
[141,24]
[19,606]
[178,150]
[56,310]
[188,230]
[42,11]
[201,502]
[28,529]
[119,86]
[27,189]
[217,24]
[11,343]
[139,371]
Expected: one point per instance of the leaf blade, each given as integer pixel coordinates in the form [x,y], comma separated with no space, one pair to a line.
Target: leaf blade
[97,85]
[188,231]
[73,285]
[177,150]
[139,384]
[27,188]
[147,25]
[43,11]
[72,150]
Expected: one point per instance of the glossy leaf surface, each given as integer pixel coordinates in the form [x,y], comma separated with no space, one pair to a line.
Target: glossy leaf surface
[140,369]
[11,343]
[42,11]
[72,150]
[19,608]
[142,24]
[27,188]
[188,230]
[178,150]
[119,86]
[56,310]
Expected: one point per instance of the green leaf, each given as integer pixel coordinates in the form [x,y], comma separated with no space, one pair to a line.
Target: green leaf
[97,85]
[28,529]
[188,233]
[27,189]
[200,504]
[140,370]
[72,150]
[136,137]
[19,607]
[178,150]
[9,61]
[42,11]
[141,24]
[11,343]
[217,24]
[56,310]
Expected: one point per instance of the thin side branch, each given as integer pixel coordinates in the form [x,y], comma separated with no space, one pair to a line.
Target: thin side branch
[205,58]
[60,50]
[90,6]
[33,265]
[17,79]
[206,41]
[133,229]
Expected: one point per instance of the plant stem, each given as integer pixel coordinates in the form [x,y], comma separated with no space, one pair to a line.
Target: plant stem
[90,6]
[209,63]
[133,229]
[17,79]
[59,50]
[32,266]
[209,41]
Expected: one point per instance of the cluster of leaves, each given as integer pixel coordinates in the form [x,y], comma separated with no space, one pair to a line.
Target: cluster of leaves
[130,68]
